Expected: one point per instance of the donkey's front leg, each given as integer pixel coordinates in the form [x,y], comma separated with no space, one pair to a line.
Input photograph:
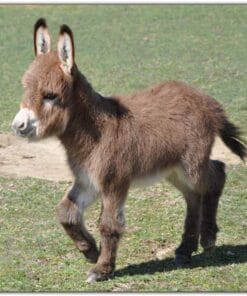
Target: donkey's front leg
[111,228]
[70,214]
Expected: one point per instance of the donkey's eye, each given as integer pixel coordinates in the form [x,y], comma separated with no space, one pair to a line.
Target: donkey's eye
[50,96]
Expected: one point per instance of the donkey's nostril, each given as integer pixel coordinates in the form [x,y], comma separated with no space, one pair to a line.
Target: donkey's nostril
[21,125]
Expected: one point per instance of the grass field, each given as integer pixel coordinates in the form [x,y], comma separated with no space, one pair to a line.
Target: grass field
[122,48]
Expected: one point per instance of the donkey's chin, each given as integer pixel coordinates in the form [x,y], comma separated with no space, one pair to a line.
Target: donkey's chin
[32,136]
[40,134]
[36,136]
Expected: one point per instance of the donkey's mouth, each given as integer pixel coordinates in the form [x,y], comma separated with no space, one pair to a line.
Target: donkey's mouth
[27,133]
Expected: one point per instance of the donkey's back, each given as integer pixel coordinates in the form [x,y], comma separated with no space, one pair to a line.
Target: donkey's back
[172,124]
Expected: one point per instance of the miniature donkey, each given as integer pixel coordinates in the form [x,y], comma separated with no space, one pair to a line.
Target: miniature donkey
[167,130]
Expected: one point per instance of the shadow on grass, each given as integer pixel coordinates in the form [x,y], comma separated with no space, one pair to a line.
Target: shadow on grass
[223,255]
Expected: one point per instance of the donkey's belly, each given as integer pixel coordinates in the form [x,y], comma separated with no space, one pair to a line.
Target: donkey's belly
[174,174]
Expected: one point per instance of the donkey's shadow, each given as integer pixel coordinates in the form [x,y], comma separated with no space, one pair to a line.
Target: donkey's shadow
[223,255]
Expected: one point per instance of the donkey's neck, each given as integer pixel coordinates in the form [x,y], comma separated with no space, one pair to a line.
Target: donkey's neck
[90,113]
[83,129]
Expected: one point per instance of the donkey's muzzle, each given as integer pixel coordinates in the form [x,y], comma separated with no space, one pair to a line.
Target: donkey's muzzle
[24,123]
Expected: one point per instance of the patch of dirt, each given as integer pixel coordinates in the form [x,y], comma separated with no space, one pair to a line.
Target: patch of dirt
[46,159]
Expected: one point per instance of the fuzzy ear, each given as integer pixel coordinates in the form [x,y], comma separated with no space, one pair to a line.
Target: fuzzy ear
[66,50]
[41,37]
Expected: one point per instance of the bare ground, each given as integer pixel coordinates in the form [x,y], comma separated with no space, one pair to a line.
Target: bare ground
[46,159]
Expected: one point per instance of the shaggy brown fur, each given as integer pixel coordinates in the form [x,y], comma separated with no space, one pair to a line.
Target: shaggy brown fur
[110,141]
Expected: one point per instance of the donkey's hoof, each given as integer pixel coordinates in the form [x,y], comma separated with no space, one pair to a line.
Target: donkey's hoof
[182,260]
[92,278]
[209,251]
[95,276]
[208,247]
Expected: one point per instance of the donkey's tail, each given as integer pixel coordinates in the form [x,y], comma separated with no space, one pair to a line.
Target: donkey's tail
[231,136]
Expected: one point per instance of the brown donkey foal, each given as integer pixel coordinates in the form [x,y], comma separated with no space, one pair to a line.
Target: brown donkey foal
[165,131]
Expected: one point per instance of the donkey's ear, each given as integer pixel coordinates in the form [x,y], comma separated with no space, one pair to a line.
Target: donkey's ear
[66,50]
[41,37]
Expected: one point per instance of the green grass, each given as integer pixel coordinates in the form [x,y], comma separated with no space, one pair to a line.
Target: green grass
[36,255]
[121,49]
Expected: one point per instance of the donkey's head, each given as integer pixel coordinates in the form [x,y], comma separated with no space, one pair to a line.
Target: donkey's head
[48,86]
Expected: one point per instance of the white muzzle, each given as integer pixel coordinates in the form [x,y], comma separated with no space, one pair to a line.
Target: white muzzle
[25,123]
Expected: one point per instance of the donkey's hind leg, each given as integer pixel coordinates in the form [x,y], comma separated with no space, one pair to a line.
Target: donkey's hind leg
[193,200]
[190,236]
[70,214]
[215,184]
